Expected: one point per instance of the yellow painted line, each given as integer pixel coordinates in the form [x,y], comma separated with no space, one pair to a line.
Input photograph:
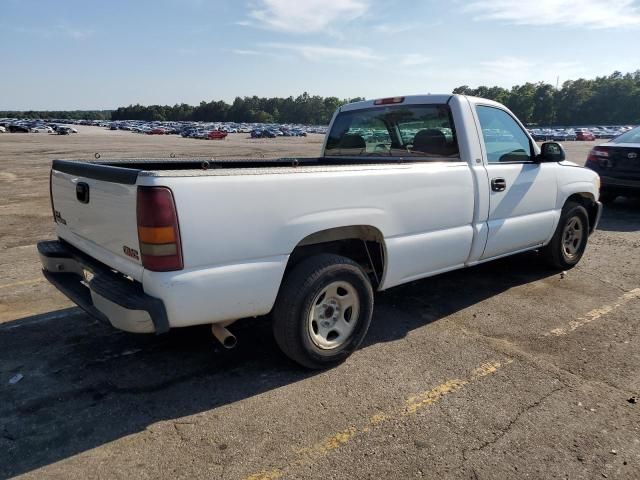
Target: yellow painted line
[23,282]
[378,418]
[325,446]
[432,396]
[597,313]
[266,475]
[309,455]
[488,369]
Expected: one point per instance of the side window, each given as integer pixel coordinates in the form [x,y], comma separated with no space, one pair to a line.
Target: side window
[503,138]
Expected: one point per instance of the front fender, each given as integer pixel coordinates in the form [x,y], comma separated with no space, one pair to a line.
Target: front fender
[576,180]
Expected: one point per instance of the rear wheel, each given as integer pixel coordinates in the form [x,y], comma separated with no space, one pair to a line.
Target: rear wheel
[569,241]
[323,311]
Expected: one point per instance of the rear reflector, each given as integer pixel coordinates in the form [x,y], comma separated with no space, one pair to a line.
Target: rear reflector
[156,234]
[388,101]
[158,230]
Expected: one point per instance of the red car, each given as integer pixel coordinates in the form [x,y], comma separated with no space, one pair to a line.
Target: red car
[157,131]
[585,135]
[216,135]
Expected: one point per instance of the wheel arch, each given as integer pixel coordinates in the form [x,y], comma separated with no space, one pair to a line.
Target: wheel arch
[363,244]
[588,201]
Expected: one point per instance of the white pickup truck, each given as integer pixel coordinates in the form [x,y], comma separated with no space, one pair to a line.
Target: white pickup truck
[406,188]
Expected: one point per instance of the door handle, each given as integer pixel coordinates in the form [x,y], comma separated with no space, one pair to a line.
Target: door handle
[498,184]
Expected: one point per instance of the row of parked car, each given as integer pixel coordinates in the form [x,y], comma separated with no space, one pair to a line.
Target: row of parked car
[34,126]
[217,130]
[220,130]
[573,133]
[200,130]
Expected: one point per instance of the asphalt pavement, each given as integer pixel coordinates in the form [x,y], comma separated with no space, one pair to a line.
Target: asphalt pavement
[505,370]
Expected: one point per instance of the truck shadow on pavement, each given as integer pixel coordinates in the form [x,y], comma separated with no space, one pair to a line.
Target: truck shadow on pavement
[85,384]
[623,215]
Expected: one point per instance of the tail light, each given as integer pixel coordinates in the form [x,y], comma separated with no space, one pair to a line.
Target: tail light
[599,156]
[53,210]
[389,101]
[158,230]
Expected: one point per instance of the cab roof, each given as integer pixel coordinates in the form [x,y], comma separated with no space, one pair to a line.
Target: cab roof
[415,100]
[407,100]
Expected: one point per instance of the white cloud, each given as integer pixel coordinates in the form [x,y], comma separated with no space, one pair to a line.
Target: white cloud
[76,33]
[186,52]
[509,71]
[392,28]
[584,13]
[60,30]
[331,54]
[507,64]
[323,53]
[306,16]
[239,51]
[414,60]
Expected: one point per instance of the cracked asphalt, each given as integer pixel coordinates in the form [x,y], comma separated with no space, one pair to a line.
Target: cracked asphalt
[506,370]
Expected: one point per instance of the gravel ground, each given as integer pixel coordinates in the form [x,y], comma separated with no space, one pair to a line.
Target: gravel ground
[506,370]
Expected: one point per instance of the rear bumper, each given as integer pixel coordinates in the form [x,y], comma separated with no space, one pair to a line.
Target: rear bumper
[107,296]
[619,184]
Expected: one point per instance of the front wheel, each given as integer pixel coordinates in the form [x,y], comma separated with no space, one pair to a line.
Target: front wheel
[323,311]
[569,241]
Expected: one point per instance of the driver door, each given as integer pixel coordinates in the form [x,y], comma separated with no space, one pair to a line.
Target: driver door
[522,191]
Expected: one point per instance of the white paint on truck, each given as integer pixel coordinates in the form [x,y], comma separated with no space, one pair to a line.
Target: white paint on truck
[239,227]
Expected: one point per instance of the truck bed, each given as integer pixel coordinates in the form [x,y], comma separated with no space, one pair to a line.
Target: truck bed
[127,171]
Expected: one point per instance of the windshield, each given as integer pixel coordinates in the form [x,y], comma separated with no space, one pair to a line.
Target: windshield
[632,136]
[394,131]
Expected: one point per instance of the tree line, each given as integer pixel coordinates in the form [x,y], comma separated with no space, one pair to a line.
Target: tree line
[613,99]
[64,114]
[607,100]
[304,109]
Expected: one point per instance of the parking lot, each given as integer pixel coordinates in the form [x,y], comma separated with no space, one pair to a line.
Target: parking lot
[506,370]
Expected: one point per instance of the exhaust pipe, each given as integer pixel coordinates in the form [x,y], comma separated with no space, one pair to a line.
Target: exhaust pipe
[224,336]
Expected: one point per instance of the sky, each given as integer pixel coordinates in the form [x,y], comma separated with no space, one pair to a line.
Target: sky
[80,54]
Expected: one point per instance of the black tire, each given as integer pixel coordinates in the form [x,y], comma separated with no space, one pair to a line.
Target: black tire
[555,252]
[299,290]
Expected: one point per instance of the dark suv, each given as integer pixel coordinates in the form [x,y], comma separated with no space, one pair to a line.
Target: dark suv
[618,164]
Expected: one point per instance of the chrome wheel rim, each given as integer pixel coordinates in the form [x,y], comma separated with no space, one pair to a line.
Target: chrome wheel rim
[572,238]
[334,315]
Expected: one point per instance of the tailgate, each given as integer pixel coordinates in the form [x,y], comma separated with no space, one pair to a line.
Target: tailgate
[95,210]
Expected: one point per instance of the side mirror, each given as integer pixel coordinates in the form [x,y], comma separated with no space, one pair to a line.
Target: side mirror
[551,152]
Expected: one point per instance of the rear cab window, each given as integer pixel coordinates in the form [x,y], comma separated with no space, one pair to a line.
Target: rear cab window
[411,132]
